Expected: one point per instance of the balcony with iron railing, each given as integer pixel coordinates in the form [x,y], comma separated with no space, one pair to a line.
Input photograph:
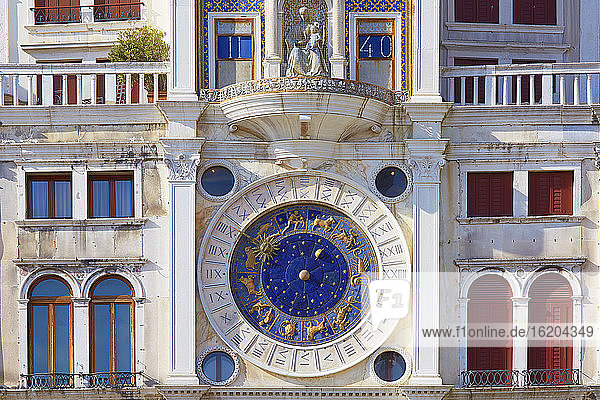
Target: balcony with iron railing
[522,84]
[87,13]
[97,380]
[516,378]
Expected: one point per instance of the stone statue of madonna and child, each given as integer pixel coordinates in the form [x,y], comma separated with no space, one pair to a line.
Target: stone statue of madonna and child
[306,45]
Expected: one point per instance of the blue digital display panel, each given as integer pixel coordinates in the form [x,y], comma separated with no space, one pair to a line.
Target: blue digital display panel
[234,47]
[375,46]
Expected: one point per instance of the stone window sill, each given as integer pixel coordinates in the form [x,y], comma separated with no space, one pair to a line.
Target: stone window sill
[520,220]
[498,28]
[81,223]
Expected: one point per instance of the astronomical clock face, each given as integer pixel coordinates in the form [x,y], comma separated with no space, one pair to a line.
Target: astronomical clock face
[284,273]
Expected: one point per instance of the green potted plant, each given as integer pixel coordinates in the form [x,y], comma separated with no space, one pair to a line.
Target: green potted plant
[144,44]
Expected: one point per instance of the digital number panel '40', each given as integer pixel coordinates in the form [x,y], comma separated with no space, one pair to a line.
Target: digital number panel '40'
[375,46]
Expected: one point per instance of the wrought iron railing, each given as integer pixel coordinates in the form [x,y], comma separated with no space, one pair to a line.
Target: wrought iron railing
[304,84]
[117,12]
[493,377]
[111,379]
[552,377]
[56,14]
[49,381]
[513,378]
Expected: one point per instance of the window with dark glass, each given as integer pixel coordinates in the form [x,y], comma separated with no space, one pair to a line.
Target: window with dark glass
[489,194]
[389,366]
[551,193]
[48,196]
[534,12]
[218,366]
[111,330]
[110,196]
[483,11]
[50,331]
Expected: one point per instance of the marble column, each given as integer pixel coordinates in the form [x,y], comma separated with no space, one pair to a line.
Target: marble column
[182,190]
[426,160]
[462,341]
[81,341]
[272,62]
[183,51]
[426,70]
[338,57]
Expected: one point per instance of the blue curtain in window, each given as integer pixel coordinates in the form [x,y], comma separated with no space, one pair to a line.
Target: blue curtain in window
[100,201]
[123,199]
[62,199]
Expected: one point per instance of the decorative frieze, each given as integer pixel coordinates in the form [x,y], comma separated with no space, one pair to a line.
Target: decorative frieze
[305,84]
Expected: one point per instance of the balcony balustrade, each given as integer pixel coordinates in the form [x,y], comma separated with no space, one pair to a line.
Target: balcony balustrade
[115,380]
[62,84]
[519,84]
[87,13]
[515,378]
[49,381]
[97,380]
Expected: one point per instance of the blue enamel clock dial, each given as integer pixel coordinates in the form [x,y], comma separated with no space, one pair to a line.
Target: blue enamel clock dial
[299,274]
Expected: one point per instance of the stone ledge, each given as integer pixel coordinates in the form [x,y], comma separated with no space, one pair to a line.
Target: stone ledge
[81,262]
[80,223]
[545,219]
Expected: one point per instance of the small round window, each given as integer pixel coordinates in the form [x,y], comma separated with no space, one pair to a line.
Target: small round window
[389,366]
[391,182]
[217,180]
[218,366]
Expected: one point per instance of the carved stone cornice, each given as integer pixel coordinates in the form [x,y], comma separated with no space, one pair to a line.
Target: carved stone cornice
[182,168]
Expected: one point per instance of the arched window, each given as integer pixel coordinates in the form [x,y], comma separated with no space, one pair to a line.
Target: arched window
[550,358]
[489,307]
[50,330]
[111,332]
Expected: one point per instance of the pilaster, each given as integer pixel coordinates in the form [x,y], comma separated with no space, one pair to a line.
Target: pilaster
[426,71]
[23,338]
[4,41]
[81,339]
[183,51]
[426,158]
[462,341]
[520,316]
[182,158]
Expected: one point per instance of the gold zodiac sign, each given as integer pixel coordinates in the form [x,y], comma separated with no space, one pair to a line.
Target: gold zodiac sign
[323,223]
[249,283]
[250,259]
[264,228]
[312,330]
[348,238]
[289,329]
[341,313]
[294,219]
[258,307]
[361,266]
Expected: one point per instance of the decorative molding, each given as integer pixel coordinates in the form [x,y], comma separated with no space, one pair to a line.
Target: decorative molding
[521,220]
[305,84]
[519,153]
[224,349]
[29,263]
[504,28]
[547,262]
[80,223]
[182,169]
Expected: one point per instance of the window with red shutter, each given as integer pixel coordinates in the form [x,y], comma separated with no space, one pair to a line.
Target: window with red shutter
[489,194]
[551,193]
[534,12]
[483,11]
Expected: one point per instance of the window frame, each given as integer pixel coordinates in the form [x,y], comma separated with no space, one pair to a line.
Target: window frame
[393,46]
[216,44]
[477,19]
[111,177]
[398,41]
[49,301]
[112,301]
[51,178]
[213,17]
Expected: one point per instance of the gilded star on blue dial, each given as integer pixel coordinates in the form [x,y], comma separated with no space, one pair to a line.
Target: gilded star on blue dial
[300,273]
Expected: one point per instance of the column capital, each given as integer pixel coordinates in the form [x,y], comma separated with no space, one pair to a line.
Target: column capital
[81,302]
[182,167]
[426,159]
[520,301]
